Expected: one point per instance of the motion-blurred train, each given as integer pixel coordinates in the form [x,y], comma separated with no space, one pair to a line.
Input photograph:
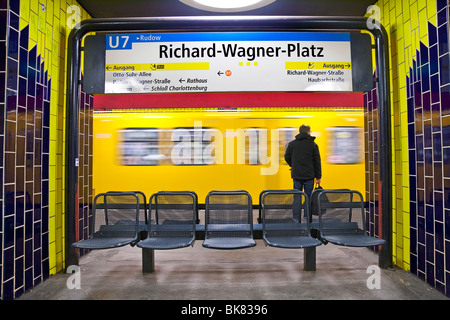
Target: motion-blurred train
[222,148]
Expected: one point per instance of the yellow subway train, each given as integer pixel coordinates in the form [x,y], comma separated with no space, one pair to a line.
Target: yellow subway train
[201,149]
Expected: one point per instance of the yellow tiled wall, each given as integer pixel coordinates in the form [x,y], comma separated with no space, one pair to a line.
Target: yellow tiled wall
[50,22]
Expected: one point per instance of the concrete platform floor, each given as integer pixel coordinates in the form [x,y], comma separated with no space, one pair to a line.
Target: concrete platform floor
[258,273]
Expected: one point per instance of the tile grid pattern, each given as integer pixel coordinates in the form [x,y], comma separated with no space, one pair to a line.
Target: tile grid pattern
[32,64]
[428,103]
[420,96]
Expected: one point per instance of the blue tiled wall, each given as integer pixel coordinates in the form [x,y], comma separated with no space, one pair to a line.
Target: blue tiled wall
[428,110]
[26,114]
[24,140]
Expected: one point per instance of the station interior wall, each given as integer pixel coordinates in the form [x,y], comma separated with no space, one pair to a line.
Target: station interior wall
[33,57]
[420,127]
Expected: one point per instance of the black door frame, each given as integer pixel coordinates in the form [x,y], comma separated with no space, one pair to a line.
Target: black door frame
[227,24]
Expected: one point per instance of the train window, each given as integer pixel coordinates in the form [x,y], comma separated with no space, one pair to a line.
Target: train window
[193,146]
[255,149]
[139,147]
[345,145]
[285,135]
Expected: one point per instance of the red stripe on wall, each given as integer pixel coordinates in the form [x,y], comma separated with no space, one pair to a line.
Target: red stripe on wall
[241,99]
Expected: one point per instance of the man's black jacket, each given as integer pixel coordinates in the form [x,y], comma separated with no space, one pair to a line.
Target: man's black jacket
[302,155]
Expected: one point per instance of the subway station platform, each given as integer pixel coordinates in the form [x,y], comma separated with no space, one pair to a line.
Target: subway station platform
[258,273]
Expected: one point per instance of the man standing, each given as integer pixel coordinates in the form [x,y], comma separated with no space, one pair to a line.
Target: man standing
[302,155]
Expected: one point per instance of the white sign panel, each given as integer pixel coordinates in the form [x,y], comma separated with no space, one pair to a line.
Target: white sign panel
[228,62]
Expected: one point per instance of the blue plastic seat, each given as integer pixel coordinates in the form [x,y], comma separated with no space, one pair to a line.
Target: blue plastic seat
[342,219]
[285,221]
[115,222]
[228,220]
[173,219]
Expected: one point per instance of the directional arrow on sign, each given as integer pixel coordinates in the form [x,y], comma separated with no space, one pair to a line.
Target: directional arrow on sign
[181,80]
[220,73]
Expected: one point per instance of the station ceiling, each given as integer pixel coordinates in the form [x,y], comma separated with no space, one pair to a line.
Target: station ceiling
[165,8]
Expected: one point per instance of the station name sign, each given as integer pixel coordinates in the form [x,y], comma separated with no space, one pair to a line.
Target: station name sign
[227,62]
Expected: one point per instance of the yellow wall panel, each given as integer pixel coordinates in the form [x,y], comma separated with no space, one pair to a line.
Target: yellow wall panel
[46,20]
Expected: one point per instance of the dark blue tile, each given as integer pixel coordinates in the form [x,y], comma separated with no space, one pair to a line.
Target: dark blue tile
[14,5]
[20,209]
[45,139]
[440,258]
[429,221]
[28,278]
[418,64]
[8,231]
[420,184]
[427,137]
[2,151]
[46,114]
[441,4]
[2,85]
[425,77]
[441,14]
[447,224]
[31,81]
[13,44]
[413,256]
[37,230]
[44,197]
[28,225]
[45,166]
[14,20]
[432,34]
[22,92]
[30,145]
[428,162]
[39,96]
[445,100]
[447,197]
[411,136]
[444,73]
[437,146]
[11,105]
[28,195]
[419,148]
[3,20]
[434,81]
[9,200]
[23,63]
[426,105]
[419,121]
[443,39]
[18,275]
[423,54]
[438,207]
[410,109]
[420,230]
[430,265]
[412,183]
[417,94]
[32,57]
[24,37]
[446,161]
[30,107]
[2,56]
[434,59]
[11,81]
